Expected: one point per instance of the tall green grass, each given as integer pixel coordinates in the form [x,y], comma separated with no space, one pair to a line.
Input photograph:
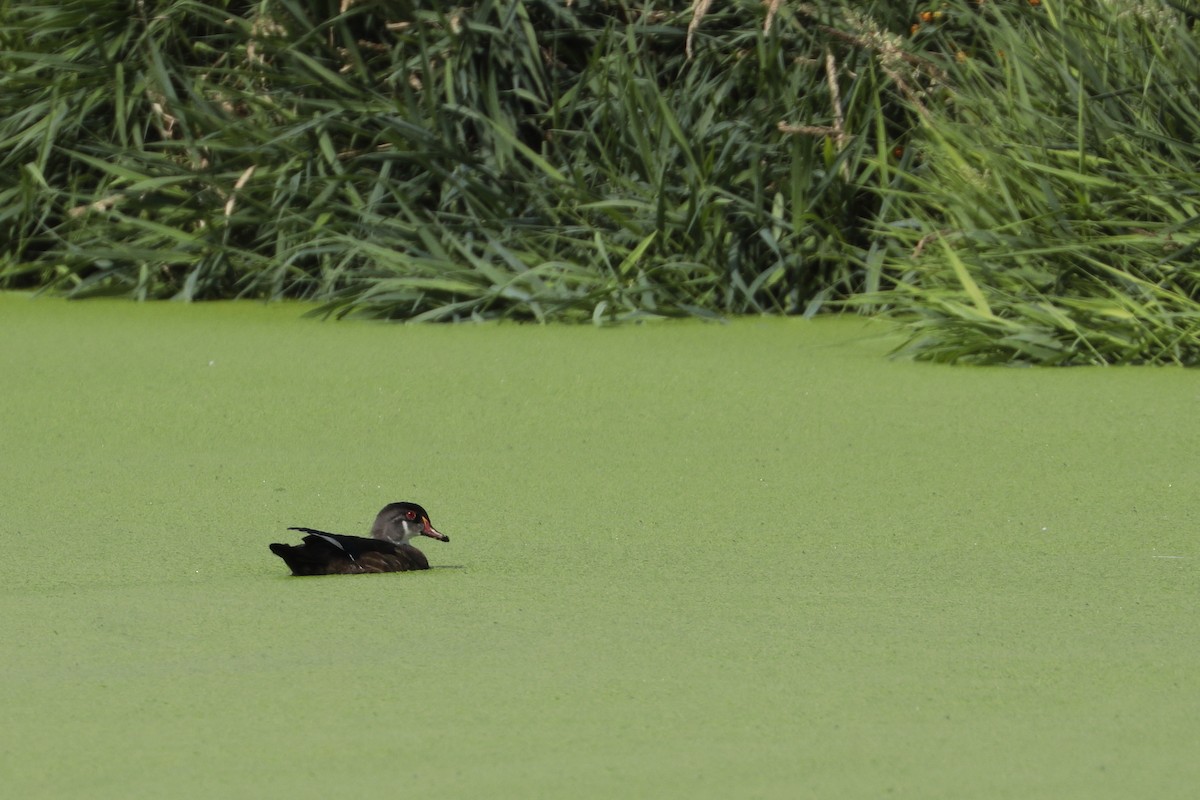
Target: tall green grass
[1013,181]
[1050,209]
[531,158]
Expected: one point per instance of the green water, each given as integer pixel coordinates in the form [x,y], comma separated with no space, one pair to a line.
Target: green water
[686,560]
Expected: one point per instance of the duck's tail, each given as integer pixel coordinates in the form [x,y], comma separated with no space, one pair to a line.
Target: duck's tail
[301,560]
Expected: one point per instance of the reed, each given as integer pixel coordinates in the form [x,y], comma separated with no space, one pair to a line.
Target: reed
[1048,208]
[532,159]
[1012,181]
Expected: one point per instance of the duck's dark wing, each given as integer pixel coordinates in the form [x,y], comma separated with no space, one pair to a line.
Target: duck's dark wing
[346,546]
[324,553]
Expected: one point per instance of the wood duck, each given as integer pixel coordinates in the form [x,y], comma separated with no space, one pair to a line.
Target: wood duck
[387,550]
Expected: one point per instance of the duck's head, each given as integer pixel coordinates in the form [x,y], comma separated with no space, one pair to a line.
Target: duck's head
[399,522]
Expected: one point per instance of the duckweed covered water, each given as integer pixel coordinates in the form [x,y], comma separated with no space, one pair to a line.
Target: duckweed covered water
[686,560]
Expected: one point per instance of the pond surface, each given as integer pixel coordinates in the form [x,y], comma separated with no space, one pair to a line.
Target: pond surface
[755,559]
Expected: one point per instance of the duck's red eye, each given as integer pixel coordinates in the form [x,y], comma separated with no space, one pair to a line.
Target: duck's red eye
[410,515]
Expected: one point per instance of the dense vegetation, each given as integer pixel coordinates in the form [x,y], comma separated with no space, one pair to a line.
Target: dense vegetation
[1015,181]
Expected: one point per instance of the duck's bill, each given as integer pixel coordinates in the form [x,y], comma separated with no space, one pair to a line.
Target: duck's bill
[432,532]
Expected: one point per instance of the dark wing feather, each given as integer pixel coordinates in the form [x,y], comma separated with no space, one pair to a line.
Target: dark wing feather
[347,546]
